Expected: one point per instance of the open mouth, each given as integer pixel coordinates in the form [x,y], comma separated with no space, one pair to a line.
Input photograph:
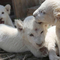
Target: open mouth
[1,22]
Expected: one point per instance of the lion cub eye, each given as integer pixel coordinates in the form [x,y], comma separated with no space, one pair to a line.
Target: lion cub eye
[2,12]
[40,11]
[43,12]
[32,35]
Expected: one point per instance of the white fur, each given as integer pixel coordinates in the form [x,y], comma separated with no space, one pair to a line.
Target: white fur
[29,26]
[11,40]
[47,11]
[50,14]
[5,17]
[50,43]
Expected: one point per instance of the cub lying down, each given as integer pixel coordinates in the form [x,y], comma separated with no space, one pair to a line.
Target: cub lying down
[11,40]
[35,33]
[34,36]
[29,37]
[26,38]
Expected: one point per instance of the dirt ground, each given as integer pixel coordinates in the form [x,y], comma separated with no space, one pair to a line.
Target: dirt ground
[19,56]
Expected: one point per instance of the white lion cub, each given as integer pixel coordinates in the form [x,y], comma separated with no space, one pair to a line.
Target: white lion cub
[29,37]
[51,43]
[11,40]
[38,42]
[49,12]
[4,15]
[34,35]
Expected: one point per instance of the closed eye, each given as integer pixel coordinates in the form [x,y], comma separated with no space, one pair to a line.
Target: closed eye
[31,35]
[42,32]
[42,12]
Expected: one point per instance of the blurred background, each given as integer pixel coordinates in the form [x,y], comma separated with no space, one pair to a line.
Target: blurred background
[22,8]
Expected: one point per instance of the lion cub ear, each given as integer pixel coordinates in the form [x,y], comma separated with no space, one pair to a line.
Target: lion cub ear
[8,8]
[57,13]
[19,25]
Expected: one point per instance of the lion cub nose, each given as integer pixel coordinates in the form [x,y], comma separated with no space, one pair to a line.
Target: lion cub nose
[34,14]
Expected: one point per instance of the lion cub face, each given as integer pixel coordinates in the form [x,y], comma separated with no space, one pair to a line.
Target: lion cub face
[4,13]
[48,12]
